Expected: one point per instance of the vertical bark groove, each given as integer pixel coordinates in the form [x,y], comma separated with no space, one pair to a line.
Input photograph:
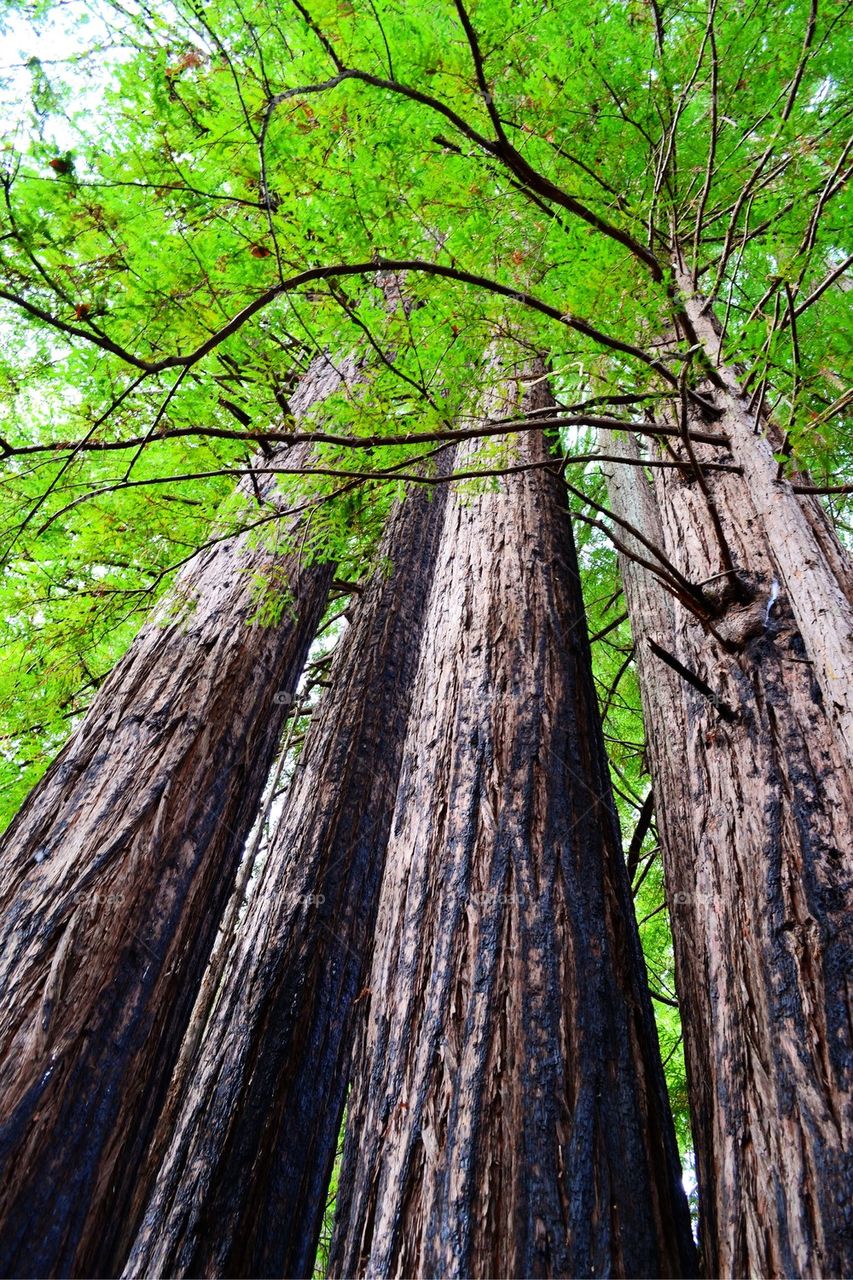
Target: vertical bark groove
[508,1114]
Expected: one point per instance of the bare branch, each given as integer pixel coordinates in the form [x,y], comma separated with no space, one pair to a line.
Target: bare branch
[480,72]
[820,289]
[271,436]
[768,151]
[331,272]
[712,142]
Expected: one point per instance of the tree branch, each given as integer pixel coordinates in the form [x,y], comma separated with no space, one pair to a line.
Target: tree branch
[335,271]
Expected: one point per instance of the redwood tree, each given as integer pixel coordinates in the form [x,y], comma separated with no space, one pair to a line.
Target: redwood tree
[754,798]
[508,1114]
[243,1185]
[116,871]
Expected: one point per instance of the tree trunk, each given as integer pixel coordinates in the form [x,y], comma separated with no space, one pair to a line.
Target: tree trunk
[508,1115]
[243,1187]
[813,571]
[115,875]
[755,813]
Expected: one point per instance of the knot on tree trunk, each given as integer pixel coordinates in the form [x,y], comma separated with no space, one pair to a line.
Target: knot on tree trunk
[747,603]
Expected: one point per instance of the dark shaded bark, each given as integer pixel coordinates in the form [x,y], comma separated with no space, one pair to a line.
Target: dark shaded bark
[243,1186]
[508,1115]
[755,813]
[115,874]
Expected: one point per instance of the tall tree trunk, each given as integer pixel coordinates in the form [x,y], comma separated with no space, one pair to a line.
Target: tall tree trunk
[814,573]
[508,1115]
[115,875]
[755,809]
[243,1187]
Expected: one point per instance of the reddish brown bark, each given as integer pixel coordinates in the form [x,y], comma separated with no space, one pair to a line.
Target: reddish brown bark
[115,874]
[755,809]
[242,1189]
[508,1115]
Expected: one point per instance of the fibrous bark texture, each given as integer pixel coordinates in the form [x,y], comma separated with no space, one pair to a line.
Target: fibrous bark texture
[243,1188]
[508,1115]
[813,571]
[115,874]
[755,810]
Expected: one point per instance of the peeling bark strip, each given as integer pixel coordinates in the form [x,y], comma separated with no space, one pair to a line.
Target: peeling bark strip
[756,821]
[508,1115]
[115,874]
[243,1187]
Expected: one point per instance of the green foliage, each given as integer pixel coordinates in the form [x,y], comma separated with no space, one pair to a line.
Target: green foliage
[619,701]
[321,1262]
